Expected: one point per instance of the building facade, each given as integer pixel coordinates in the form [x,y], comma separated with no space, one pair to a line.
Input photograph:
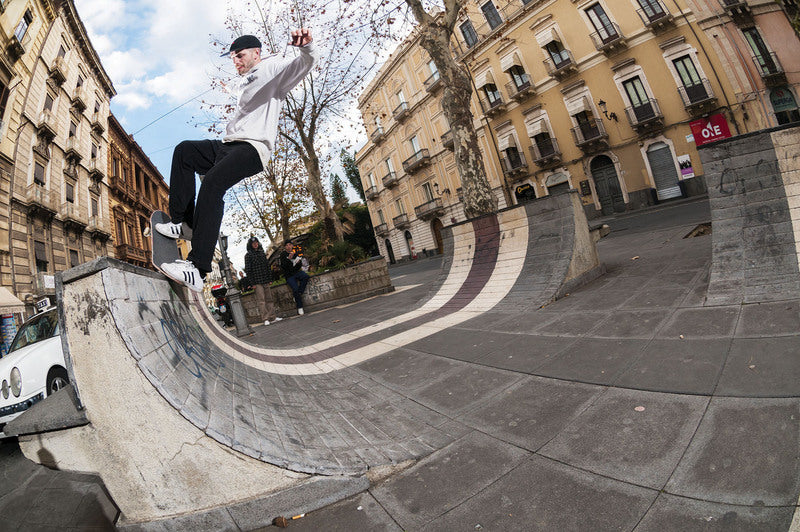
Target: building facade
[608,98]
[58,207]
[136,190]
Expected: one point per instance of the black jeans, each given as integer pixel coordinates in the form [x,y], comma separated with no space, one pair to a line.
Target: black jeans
[297,283]
[222,165]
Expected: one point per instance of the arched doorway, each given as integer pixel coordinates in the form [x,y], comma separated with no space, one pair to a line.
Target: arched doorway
[606,184]
[389,251]
[410,244]
[662,165]
[436,229]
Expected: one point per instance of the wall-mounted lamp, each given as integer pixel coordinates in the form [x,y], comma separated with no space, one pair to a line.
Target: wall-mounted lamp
[436,188]
[610,116]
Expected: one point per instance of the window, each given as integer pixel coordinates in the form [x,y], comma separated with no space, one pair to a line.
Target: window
[380,216]
[73,129]
[492,94]
[70,193]
[491,14]
[601,22]
[557,53]
[38,173]
[48,102]
[4,92]
[427,193]
[370,179]
[389,166]
[433,69]
[587,125]
[470,37]
[400,207]
[97,106]
[652,9]
[73,258]
[544,144]
[22,27]
[518,75]
[120,232]
[62,51]
[401,98]
[761,54]
[95,207]
[40,254]
[80,82]
[693,86]
[115,167]
[94,150]
[414,141]
[642,107]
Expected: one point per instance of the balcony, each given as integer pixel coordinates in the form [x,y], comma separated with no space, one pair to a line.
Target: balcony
[72,218]
[96,172]
[608,39]
[46,128]
[515,167]
[97,123]
[417,161]
[401,222]
[390,180]
[698,97]
[770,69]
[546,154]
[58,71]
[400,112]
[520,92]
[382,229]
[656,16]
[738,10]
[590,136]
[447,140]
[72,151]
[129,253]
[371,192]
[14,49]
[377,135]
[646,117]
[429,209]
[494,107]
[433,83]
[40,201]
[561,67]
[97,228]
[79,98]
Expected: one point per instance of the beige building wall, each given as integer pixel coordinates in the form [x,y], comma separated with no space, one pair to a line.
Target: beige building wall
[59,214]
[591,95]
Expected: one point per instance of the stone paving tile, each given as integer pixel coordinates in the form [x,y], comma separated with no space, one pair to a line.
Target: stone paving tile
[745,451]
[769,319]
[765,367]
[463,388]
[657,297]
[613,439]
[532,412]
[677,366]
[406,369]
[688,515]
[527,353]
[427,489]
[630,324]
[576,323]
[472,345]
[707,322]
[593,360]
[361,512]
[540,494]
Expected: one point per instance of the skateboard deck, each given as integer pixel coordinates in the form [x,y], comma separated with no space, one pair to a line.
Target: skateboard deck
[164,249]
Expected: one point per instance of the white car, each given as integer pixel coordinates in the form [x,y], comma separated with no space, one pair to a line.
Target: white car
[33,368]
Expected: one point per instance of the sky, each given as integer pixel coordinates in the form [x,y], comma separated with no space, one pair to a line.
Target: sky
[160,58]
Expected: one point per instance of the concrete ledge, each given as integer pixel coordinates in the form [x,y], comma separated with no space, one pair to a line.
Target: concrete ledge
[59,411]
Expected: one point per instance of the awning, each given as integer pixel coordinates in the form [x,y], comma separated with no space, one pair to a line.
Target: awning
[509,61]
[9,303]
[577,105]
[484,78]
[546,37]
[535,128]
[506,141]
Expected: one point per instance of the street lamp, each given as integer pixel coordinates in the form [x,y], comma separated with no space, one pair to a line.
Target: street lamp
[233,294]
[610,116]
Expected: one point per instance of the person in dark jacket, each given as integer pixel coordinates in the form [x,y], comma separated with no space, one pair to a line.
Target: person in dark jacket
[257,269]
[296,278]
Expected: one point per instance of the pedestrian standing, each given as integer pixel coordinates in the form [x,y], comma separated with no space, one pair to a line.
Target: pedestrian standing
[244,151]
[296,278]
[257,268]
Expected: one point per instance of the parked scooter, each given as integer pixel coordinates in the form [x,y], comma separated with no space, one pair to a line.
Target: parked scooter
[223,308]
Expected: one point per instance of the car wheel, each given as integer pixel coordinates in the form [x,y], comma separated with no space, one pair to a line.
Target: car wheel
[57,378]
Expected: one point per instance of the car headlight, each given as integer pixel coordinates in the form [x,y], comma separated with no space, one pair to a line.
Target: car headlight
[16,382]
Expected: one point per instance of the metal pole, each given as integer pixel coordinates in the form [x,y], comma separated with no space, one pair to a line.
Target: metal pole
[233,295]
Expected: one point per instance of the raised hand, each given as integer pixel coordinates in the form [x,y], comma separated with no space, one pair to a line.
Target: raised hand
[301,37]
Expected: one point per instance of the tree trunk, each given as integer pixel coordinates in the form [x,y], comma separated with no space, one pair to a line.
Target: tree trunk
[333,226]
[456,95]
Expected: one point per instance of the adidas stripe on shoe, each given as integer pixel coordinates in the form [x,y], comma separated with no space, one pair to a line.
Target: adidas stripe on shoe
[171,230]
[183,271]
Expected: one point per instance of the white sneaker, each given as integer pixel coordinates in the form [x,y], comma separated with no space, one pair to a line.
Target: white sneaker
[184,272]
[300,311]
[273,321]
[176,231]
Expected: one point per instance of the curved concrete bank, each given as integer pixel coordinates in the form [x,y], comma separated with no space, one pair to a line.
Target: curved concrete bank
[184,417]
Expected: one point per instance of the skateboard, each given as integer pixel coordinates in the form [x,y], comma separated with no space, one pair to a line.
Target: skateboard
[163,249]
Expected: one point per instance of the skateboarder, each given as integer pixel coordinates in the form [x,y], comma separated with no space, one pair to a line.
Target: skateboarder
[244,151]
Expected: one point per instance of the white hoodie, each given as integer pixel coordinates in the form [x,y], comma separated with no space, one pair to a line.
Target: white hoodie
[260,97]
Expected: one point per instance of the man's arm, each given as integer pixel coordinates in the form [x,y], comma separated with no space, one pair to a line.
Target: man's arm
[288,73]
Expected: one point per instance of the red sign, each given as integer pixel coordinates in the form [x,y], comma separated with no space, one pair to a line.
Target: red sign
[706,130]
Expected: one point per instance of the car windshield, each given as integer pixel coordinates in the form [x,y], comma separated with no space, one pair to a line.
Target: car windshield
[36,329]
